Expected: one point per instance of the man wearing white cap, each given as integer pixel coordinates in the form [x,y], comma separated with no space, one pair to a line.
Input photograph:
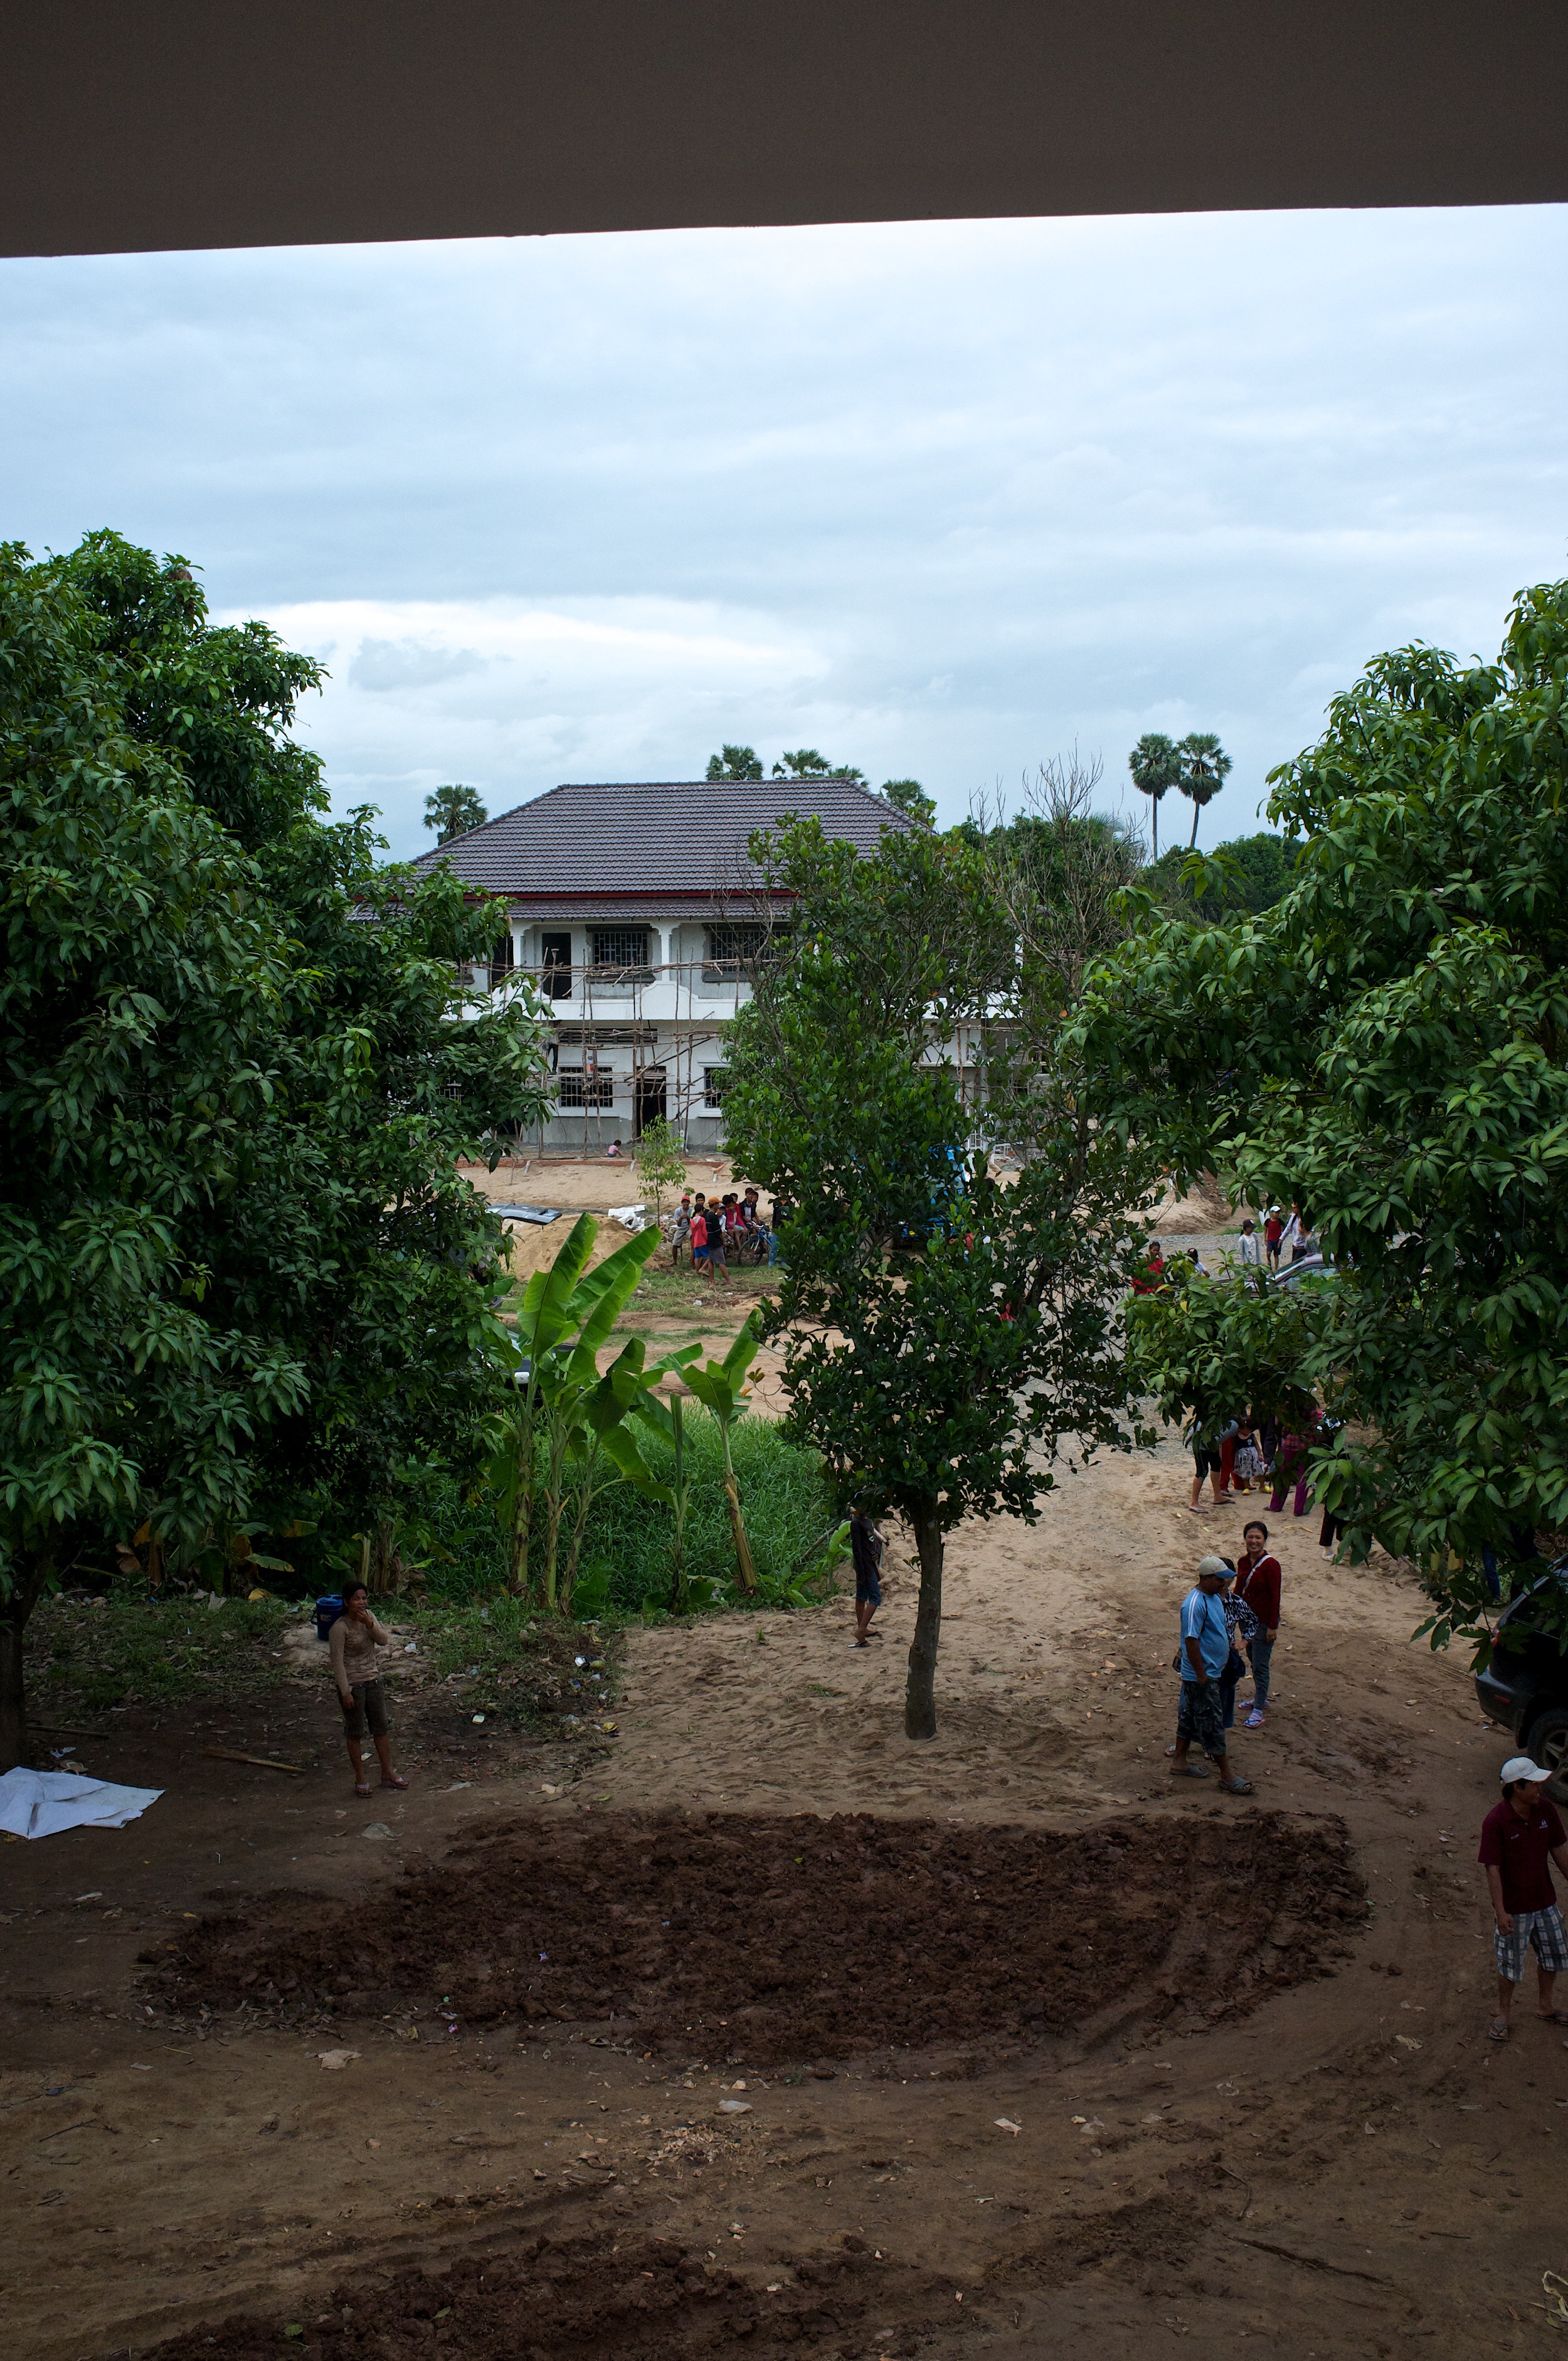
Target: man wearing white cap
[1520,1838]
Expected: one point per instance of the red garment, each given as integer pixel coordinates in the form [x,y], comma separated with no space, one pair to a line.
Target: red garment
[1520,1848]
[1273,1230]
[1258,1585]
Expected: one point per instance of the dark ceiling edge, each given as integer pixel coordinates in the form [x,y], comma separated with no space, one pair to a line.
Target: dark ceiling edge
[207,126]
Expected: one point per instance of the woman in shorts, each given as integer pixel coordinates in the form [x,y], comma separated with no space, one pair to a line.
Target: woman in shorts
[357,1669]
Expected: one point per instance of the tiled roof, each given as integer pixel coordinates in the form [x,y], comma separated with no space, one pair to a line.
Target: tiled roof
[662,837]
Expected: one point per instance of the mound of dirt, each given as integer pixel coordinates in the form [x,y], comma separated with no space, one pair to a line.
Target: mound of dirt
[586,2298]
[771,1939]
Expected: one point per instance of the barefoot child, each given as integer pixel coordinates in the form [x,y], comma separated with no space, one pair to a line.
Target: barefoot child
[866,1547]
[358,1677]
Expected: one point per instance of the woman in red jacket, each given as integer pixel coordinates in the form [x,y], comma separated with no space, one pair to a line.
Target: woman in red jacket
[1257,1587]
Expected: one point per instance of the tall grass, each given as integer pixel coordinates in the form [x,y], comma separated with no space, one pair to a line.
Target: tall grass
[784,1493]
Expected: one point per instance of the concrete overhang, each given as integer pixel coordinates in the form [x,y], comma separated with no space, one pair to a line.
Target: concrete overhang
[203,123]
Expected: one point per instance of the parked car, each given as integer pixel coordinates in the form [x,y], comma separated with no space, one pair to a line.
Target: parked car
[1525,1686]
[1312,1265]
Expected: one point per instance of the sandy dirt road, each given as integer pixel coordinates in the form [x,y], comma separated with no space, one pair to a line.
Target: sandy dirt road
[1344,2167]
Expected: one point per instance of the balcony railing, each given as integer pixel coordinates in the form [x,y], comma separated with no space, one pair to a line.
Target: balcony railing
[698,980]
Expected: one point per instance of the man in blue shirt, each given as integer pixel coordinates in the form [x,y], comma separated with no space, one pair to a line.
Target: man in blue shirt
[1205,1652]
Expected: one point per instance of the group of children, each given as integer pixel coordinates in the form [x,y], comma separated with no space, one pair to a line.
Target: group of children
[713,1229]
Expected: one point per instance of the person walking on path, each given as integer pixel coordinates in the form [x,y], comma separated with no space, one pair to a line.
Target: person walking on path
[866,1548]
[1291,1472]
[1208,1458]
[352,1643]
[1520,1838]
[1258,1581]
[1204,1654]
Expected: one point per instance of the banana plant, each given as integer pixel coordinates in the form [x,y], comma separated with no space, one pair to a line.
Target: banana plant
[675,1495]
[595,1417]
[720,1386]
[530,1440]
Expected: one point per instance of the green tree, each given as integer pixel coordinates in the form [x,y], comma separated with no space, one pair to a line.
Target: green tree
[1386,1045]
[238,1263]
[909,796]
[452,811]
[805,762]
[1205,766]
[1155,767]
[943,1336]
[660,1159]
[1248,874]
[735,763]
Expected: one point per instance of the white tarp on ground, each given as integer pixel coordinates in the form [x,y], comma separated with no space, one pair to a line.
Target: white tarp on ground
[41,1803]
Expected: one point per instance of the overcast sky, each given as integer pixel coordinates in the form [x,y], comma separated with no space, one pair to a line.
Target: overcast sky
[939,500]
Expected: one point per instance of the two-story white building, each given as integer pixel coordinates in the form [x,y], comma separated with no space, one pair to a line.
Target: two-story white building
[636,911]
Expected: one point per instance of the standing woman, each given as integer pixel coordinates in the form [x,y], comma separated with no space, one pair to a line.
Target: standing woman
[1257,1587]
[357,1672]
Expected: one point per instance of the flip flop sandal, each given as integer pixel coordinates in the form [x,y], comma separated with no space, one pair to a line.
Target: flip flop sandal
[393,1781]
[1497,2030]
[1235,1787]
[1553,2015]
[1190,1770]
[362,1788]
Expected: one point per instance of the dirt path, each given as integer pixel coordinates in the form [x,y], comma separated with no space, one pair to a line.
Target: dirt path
[1338,2166]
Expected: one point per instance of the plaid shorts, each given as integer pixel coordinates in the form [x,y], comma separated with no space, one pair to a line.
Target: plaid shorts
[1541,1927]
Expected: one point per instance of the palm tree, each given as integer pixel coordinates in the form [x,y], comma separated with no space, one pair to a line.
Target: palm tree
[452,811]
[1156,766]
[1204,764]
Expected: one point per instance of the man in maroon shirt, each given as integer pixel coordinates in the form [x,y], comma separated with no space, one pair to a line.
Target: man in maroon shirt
[1520,1838]
[1257,1587]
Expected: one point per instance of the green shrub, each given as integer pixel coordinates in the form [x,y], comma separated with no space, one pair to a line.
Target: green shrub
[783,1491]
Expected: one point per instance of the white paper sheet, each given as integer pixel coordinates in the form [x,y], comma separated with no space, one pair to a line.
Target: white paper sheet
[42,1802]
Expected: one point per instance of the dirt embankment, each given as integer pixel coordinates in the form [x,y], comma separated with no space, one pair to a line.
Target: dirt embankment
[772,1940]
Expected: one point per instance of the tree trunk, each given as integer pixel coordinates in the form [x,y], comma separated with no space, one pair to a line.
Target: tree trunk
[13,1689]
[1154,806]
[920,1690]
[1192,840]
[13,1698]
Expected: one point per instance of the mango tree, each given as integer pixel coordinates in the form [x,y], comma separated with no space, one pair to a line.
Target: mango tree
[944,1336]
[239,1268]
[1389,1045]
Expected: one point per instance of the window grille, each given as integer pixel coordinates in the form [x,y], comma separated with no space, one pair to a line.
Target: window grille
[731,950]
[577,1090]
[715,1082]
[621,953]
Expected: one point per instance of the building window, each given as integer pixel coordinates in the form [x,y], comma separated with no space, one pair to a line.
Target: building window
[620,954]
[715,1082]
[577,1090]
[503,961]
[731,949]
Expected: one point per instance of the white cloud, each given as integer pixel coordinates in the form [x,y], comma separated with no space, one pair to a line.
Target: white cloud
[939,498]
